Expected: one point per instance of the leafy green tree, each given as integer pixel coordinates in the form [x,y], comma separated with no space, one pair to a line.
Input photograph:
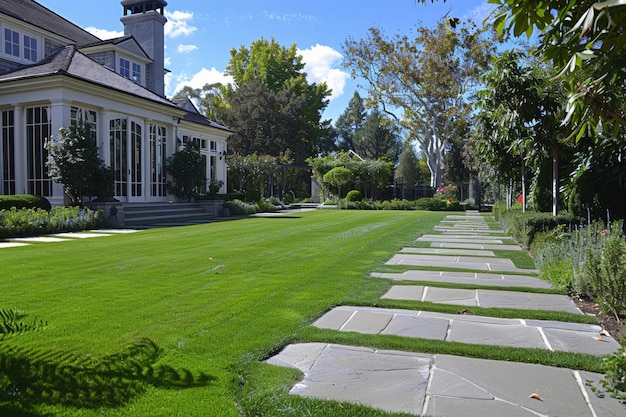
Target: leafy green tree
[299,105]
[209,99]
[74,162]
[427,77]
[188,171]
[377,138]
[407,171]
[521,107]
[253,171]
[338,177]
[350,122]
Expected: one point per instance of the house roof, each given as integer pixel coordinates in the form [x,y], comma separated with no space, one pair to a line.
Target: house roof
[193,115]
[119,41]
[33,13]
[71,62]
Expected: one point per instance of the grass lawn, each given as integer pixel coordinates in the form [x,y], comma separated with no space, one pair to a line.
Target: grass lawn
[174,321]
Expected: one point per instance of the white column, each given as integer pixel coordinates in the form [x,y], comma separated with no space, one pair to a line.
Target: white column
[103,136]
[59,118]
[20,149]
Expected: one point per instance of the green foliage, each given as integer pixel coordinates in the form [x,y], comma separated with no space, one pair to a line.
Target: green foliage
[614,369]
[338,177]
[188,172]
[253,195]
[354,195]
[239,208]
[74,162]
[524,226]
[34,222]
[605,269]
[585,39]
[24,201]
[253,172]
[430,88]
[431,204]
[408,170]
[369,175]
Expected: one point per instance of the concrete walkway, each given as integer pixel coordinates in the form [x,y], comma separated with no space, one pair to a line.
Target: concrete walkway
[453,386]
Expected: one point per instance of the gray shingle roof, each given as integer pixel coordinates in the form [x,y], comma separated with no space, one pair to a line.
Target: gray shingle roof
[33,13]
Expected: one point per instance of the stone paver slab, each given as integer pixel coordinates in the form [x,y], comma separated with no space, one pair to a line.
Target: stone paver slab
[441,251]
[483,298]
[392,381]
[475,278]
[11,244]
[464,328]
[496,334]
[115,231]
[483,246]
[460,262]
[80,235]
[442,385]
[39,239]
[367,322]
[464,238]
[513,299]
[405,292]
[450,296]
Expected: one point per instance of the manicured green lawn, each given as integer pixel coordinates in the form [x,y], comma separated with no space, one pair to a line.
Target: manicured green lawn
[213,298]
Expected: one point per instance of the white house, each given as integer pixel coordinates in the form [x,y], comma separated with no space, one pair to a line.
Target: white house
[53,73]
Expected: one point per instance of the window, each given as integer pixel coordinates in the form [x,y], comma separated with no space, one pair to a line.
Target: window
[11,42]
[30,48]
[38,128]
[136,72]
[124,68]
[8,153]
[130,70]
[213,145]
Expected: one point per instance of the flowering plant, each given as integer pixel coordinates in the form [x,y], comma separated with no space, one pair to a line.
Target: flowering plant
[446,192]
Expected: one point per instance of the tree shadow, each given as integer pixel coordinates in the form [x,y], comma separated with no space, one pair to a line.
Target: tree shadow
[30,379]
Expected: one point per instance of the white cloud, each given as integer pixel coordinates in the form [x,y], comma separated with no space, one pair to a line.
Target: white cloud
[479,13]
[199,79]
[319,61]
[179,24]
[185,49]
[103,33]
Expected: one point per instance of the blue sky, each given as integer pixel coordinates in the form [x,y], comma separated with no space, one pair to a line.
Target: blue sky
[200,34]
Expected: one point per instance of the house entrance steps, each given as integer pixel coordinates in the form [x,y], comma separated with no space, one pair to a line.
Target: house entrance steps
[456,386]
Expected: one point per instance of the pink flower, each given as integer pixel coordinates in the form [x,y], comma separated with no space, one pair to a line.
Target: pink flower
[603,232]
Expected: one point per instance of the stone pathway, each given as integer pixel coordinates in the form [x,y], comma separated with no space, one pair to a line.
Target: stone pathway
[62,237]
[453,386]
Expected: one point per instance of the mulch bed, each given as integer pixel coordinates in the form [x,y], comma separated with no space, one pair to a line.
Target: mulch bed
[615,327]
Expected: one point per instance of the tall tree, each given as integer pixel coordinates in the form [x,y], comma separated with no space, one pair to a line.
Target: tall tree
[408,170]
[427,77]
[350,122]
[522,106]
[208,99]
[378,138]
[274,74]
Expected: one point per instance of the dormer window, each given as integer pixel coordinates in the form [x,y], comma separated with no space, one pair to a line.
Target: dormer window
[130,70]
[21,45]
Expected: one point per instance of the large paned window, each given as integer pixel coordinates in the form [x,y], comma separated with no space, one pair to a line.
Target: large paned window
[8,153]
[119,161]
[38,127]
[158,141]
[125,67]
[135,159]
[11,42]
[130,70]
[21,45]
[79,115]
[30,48]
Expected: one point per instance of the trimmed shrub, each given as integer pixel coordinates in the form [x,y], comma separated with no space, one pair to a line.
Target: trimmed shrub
[34,222]
[354,195]
[523,226]
[431,204]
[28,201]
[253,195]
[239,208]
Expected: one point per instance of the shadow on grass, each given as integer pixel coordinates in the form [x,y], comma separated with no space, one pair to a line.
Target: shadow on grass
[31,379]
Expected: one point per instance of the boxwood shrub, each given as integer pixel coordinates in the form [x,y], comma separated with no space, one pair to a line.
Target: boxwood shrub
[24,201]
